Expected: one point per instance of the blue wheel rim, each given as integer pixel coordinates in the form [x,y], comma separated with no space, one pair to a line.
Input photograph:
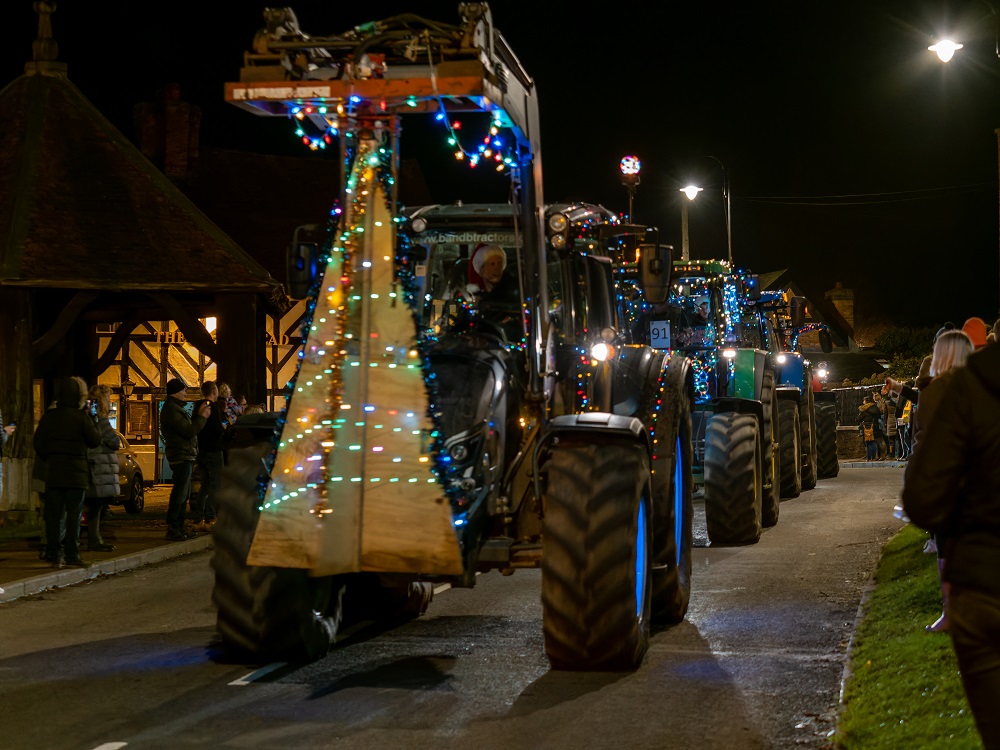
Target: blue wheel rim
[678,485]
[640,559]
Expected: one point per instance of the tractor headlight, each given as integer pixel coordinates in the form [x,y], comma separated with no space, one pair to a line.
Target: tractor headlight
[558,222]
[729,353]
[419,225]
[781,359]
[602,352]
[458,452]
[558,241]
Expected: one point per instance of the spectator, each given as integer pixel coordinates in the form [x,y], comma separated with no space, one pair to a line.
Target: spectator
[180,444]
[867,418]
[975,328]
[255,409]
[209,460]
[103,460]
[882,433]
[950,489]
[6,430]
[951,351]
[62,438]
[994,333]
[228,405]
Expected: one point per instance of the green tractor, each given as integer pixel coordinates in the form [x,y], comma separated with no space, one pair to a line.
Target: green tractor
[710,318]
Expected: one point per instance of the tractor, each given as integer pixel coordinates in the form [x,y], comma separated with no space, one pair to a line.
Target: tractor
[446,420]
[816,409]
[709,318]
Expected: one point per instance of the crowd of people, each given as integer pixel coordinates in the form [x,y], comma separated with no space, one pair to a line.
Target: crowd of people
[76,461]
[950,489]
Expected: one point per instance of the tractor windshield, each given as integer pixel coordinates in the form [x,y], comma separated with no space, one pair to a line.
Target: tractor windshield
[479,275]
[684,321]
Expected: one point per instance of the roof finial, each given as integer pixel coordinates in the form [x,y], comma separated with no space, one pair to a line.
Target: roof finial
[45,50]
[45,47]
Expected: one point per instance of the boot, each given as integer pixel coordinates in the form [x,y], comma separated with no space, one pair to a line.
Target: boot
[94,541]
[940,625]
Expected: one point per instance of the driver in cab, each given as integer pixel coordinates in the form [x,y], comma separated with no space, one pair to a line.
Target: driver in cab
[488,283]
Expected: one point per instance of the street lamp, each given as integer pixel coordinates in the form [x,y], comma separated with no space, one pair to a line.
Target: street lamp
[728,206]
[630,166]
[691,191]
[945,49]
[127,387]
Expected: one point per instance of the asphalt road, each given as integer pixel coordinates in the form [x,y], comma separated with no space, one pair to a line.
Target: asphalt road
[127,661]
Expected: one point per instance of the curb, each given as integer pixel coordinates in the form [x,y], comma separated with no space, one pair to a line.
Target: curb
[862,464]
[70,576]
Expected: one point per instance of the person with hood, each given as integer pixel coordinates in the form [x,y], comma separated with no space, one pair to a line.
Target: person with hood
[180,444]
[950,488]
[61,439]
[103,460]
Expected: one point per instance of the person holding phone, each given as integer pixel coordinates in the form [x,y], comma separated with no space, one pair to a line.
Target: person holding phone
[103,460]
[209,459]
[180,444]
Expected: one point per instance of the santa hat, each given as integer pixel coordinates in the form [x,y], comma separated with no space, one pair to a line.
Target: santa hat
[480,255]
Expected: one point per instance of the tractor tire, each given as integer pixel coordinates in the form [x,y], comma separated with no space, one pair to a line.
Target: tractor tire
[275,613]
[807,432]
[791,448]
[733,478]
[827,465]
[771,454]
[596,544]
[673,514]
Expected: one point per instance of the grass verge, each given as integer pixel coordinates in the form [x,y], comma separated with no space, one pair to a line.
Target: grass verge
[904,688]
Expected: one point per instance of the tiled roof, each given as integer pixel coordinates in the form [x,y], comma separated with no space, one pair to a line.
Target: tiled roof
[80,207]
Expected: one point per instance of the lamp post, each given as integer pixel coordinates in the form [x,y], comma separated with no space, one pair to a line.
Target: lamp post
[630,167]
[127,387]
[728,206]
[691,191]
[945,50]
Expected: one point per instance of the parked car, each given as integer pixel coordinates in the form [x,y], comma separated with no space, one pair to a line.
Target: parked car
[131,492]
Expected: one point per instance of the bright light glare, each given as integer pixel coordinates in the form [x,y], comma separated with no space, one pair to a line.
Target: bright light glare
[782,358]
[691,191]
[729,353]
[945,49]
[600,352]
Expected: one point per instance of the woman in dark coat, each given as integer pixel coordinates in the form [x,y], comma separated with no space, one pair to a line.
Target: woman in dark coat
[103,459]
[62,438]
[950,488]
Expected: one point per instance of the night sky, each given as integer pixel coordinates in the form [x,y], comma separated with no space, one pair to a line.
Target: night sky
[854,154]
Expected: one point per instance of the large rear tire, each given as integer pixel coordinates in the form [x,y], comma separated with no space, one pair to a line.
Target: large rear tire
[596,554]
[771,504]
[791,448]
[278,613]
[807,413]
[733,478]
[673,511]
[827,465]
